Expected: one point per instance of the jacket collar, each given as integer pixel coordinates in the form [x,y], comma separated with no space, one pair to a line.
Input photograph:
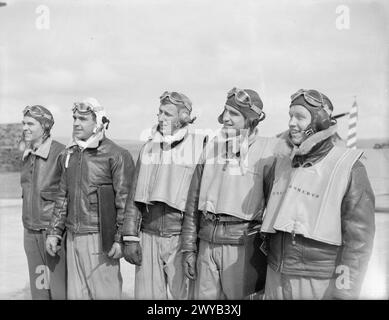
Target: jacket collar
[169,141]
[312,141]
[314,148]
[42,151]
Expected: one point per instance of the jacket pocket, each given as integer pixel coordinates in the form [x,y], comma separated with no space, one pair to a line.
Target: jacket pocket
[93,202]
[316,252]
[49,195]
[47,203]
[235,230]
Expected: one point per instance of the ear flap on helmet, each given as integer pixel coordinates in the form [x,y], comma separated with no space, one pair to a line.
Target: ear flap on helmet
[321,120]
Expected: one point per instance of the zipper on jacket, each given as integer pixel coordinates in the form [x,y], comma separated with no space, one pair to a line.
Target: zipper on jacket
[78,192]
[294,233]
[215,223]
[33,158]
[293,237]
[162,231]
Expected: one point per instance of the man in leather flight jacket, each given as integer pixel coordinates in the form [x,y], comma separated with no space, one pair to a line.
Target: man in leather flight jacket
[225,204]
[91,160]
[155,210]
[319,220]
[40,175]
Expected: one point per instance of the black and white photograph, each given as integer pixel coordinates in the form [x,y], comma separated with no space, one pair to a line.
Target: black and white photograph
[194,150]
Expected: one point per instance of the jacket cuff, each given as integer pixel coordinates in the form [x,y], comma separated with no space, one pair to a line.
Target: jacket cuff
[131,227]
[131,239]
[55,235]
[188,247]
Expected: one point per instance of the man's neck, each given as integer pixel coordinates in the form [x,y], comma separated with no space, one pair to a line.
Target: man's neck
[37,143]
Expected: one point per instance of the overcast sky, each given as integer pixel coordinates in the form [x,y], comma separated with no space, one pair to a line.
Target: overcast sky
[126,53]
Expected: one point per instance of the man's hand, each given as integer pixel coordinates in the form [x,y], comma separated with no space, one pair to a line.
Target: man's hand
[189,263]
[52,246]
[116,251]
[133,252]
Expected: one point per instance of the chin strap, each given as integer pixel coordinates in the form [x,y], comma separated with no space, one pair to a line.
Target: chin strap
[306,146]
[309,131]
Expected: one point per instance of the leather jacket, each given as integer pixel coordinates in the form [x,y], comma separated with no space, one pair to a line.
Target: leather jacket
[296,255]
[161,219]
[226,229]
[40,176]
[158,218]
[76,207]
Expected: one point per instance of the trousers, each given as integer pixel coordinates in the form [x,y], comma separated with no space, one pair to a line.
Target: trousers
[281,286]
[91,273]
[47,274]
[220,272]
[161,275]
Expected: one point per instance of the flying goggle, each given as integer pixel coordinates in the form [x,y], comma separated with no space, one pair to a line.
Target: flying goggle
[37,111]
[313,97]
[242,98]
[85,107]
[175,98]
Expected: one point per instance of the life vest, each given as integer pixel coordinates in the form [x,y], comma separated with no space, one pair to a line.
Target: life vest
[225,189]
[307,200]
[165,175]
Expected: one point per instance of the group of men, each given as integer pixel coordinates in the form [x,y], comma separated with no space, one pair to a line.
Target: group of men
[228,217]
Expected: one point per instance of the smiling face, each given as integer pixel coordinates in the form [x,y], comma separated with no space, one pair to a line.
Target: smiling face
[232,119]
[83,125]
[168,119]
[299,120]
[32,130]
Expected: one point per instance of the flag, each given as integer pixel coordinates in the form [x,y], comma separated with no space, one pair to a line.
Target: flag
[352,127]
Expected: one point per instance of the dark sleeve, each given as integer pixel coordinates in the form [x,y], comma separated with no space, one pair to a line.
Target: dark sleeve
[57,223]
[269,171]
[132,214]
[191,217]
[122,175]
[358,229]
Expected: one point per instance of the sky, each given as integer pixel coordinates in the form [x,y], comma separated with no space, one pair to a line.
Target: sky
[127,53]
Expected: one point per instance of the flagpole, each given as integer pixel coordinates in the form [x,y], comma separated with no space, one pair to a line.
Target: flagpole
[352,126]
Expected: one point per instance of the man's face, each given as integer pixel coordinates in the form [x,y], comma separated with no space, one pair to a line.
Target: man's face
[168,119]
[232,119]
[83,125]
[299,120]
[32,129]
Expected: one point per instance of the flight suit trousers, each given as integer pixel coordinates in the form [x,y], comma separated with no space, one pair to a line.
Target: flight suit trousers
[220,272]
[161,275]
[91,273]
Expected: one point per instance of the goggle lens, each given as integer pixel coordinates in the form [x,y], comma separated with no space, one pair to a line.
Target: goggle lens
[83,107]
[313,97]
[36,111]
[174,97]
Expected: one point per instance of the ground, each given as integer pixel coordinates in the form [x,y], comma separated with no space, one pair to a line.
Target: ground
[14,282]
[13,263]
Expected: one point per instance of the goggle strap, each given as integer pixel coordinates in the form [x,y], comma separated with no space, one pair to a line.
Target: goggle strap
[256,109]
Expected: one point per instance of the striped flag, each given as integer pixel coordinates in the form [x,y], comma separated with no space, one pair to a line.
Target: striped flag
[352,127]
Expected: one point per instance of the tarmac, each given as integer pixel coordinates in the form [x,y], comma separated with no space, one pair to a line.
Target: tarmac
[14,282]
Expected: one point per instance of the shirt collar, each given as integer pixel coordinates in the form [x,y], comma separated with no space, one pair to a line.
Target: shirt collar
[92,143]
